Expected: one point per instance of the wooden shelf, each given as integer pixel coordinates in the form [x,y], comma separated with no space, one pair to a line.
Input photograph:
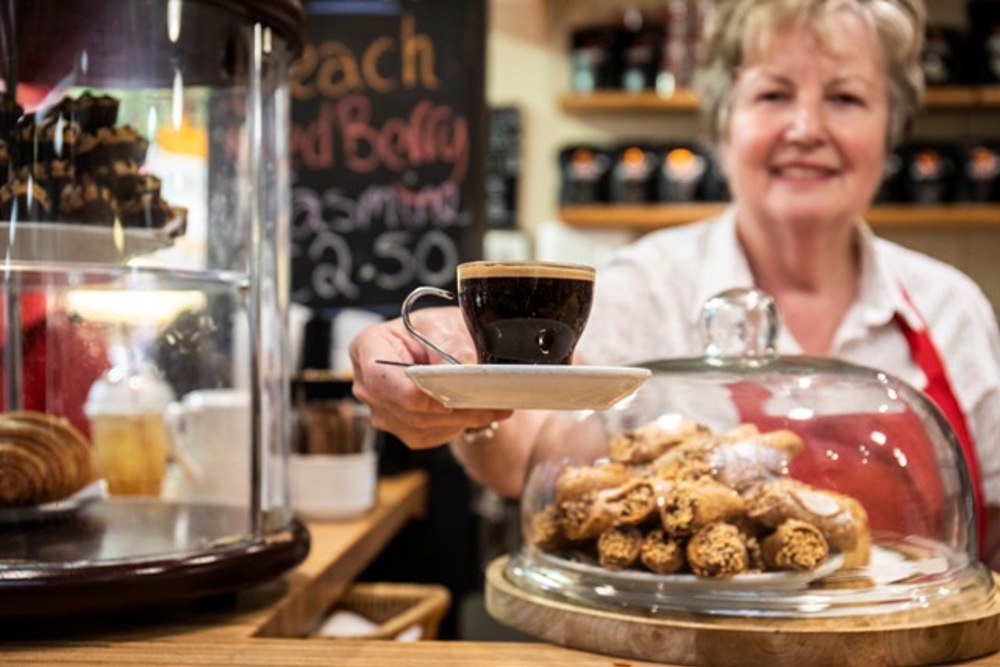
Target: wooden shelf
[886,216]
[618,100]
[683,101]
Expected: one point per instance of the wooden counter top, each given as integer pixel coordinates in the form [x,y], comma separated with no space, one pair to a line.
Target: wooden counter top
[264,626]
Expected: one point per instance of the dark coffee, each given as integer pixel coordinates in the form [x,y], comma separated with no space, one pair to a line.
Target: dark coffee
[525,313]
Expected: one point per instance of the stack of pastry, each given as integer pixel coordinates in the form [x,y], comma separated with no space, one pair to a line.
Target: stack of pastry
[42,458]
[678,497]
[73,163]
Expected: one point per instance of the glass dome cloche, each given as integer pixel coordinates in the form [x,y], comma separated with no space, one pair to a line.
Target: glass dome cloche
[144,215]
[747,490]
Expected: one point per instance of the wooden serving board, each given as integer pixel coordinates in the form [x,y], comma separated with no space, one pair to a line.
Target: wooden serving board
[905,639]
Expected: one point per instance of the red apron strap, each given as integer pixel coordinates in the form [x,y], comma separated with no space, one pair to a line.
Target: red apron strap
[925,355]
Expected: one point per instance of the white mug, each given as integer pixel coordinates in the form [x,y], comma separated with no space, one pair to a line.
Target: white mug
[333,486]
[210,433]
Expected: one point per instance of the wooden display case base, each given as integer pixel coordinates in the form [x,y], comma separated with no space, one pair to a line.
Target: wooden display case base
[921,637]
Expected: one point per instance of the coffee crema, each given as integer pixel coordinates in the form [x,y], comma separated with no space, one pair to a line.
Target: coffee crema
[525,313]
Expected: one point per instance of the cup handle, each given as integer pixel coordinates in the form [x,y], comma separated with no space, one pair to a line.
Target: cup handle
[408,304]
[174,417]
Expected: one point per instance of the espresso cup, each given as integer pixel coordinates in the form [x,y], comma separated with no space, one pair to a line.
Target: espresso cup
[518,312]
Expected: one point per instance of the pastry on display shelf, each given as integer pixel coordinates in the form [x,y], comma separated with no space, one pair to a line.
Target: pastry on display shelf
[689,500]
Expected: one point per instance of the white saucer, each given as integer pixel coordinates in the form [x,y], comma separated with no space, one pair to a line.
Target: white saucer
[525,387]
[97,490]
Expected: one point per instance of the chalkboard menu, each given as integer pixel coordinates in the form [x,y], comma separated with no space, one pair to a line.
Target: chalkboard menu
[388,143]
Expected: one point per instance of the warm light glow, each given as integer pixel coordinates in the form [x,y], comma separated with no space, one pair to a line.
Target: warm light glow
[135,307]
[174,20]
[177,109]
[800,414]
[151,122]
[900,457]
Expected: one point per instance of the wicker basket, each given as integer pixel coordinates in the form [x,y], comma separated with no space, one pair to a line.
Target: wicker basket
[397,607]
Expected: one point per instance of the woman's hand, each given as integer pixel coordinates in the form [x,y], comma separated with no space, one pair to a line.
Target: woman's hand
[397,405]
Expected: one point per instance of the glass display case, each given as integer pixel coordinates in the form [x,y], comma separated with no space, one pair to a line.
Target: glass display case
[144,217]
[796,496]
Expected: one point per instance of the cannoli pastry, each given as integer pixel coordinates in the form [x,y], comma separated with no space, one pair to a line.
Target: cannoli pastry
[585,518]
[841,519]
[42,458]
[619,547]
[755,554]
[660,553]
[795,545]
[718,550]
[576,481]
[634,502]
[783,440]
[742,431]
[688,461]
[688,506]
[652,440]
[860,555]
[746,463]
[545,529]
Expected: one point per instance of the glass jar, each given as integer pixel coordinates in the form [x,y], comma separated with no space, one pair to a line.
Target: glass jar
[144,215]
[744,484]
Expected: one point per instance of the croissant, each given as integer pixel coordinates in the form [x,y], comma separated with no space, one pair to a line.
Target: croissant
[42,458]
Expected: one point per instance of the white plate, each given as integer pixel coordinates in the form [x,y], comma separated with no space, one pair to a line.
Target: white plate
[761,581]
[80,243]
[524,387]
[57,508]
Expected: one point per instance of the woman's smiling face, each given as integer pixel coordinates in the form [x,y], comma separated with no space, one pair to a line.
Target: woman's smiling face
[805,140]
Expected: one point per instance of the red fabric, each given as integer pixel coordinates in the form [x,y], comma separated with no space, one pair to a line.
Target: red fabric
[61,359]
[884,460]
[893,473]
[925,354]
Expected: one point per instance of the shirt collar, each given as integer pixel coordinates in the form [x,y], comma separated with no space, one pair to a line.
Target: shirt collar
[726,267]
[881,295]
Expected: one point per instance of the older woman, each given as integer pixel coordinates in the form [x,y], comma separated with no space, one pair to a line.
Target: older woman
[804,99]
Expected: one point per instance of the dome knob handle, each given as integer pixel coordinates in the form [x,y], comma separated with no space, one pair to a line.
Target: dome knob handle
[740,323]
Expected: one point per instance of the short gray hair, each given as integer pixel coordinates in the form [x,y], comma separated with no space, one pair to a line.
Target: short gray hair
[740,27]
